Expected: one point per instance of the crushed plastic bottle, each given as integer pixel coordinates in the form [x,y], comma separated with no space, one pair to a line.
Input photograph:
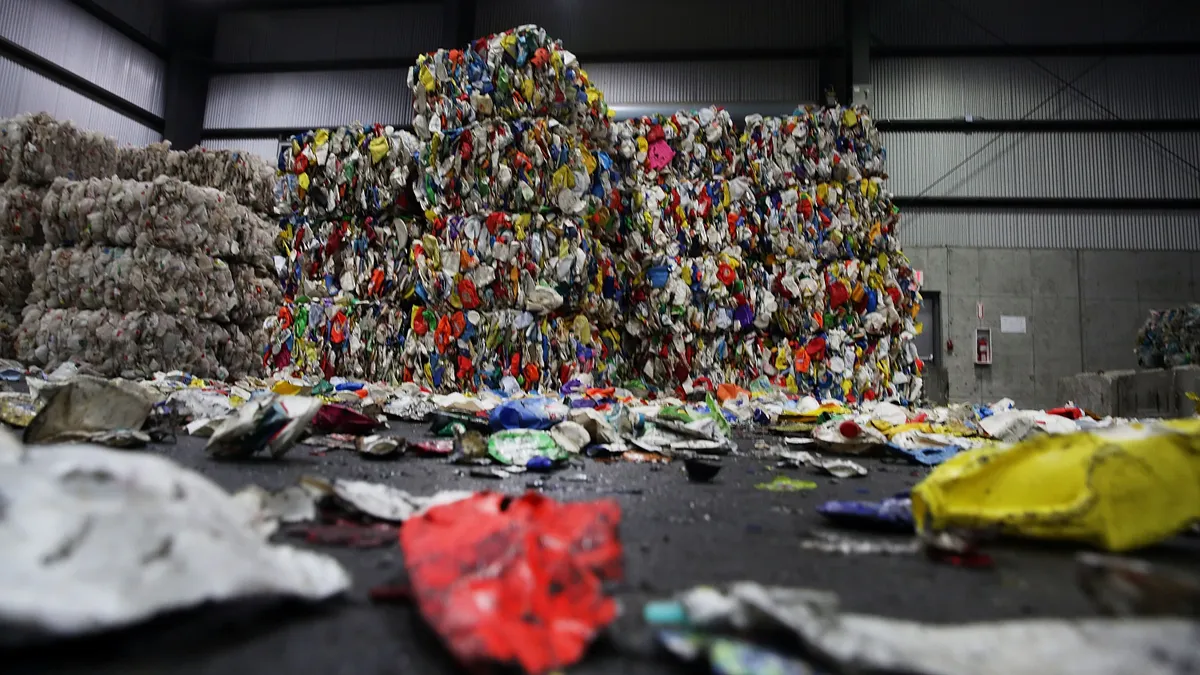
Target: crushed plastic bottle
[1117,489]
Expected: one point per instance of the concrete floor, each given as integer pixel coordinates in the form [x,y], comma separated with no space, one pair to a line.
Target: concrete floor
[676,534]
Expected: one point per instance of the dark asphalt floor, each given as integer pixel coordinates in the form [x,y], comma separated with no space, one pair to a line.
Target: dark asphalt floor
[676,534]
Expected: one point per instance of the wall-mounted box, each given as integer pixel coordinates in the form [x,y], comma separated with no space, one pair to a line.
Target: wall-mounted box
[983,346]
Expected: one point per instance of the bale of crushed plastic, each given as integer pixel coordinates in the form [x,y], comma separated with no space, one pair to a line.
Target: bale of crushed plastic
[36,149]
[540,262]
[506,165]
[10,323]
[136,344]
[696,145]
[247,178]
[258,295]
[1170,337]
[446,351]
[520,73]
[813,145]
[367,258]
[165,213]
[21,213]
[347,171]
[16,280]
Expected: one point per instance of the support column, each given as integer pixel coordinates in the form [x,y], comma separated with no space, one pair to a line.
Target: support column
[857,83]
[191,31]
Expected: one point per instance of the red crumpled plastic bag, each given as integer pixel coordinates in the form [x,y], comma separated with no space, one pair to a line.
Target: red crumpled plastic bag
[515,580]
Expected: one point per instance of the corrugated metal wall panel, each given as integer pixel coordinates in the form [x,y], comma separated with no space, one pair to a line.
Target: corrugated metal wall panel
[267,148]
[383,31]
[708,82]
[1096,165]
[1148,87]
[309,99]
[25,91]
[70,37]
[618,26]
[960,22]
[1125,230]
[146,16]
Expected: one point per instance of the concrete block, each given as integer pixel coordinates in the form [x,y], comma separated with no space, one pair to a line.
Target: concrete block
[1110,334]
[1164,275]
[1108,275]
[1147,393]
[1005,273]
[1096,392]
[1055,273]
[962,266]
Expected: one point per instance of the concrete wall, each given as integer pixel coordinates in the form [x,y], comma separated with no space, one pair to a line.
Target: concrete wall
[1083,309]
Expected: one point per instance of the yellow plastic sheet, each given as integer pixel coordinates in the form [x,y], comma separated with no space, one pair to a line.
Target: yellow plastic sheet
[1119,489]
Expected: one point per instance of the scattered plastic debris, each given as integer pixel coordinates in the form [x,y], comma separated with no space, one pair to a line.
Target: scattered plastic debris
[380,446]
[540,565]
[1117,489]
[890,515]
[1125,587]
[823,634]
[338,419]
[521,447]
[828,542]
[121,537]
[273,423]
[787,484]
[92,409]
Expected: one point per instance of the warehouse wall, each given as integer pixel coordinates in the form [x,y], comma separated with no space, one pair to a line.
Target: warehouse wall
[715,52]
[40,36]
[271,80]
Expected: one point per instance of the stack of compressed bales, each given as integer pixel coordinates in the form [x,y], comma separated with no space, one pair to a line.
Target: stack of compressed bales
[520,74]
[1170,338]
[136,277]
[689,291]
[512,279]
[20,238]
[348,216]
[780,261]
[222,278]
[820,171]
[245,177]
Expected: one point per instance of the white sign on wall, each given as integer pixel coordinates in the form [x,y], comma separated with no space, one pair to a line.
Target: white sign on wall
[1012,324]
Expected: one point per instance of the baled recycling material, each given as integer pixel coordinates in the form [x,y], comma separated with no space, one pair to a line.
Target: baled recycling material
[166,213]
[145,266]
[36,149]
[812,146]
[725,256]
[136,344]
[152,279]
[512,165]
[364,258]
[536,262]
[685,145]
[520,73]
[449,351]
[21,213]
[245,177]
[349,171]
[1170,338]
